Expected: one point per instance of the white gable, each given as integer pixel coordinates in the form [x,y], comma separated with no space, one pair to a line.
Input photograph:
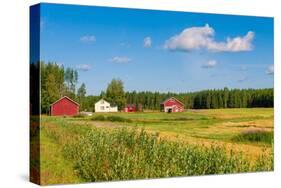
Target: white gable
[104,106]
[102,102]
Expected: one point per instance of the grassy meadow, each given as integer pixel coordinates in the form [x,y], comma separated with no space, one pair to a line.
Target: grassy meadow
[121,146]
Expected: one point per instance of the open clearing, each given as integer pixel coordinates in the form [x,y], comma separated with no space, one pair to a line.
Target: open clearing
[202,128]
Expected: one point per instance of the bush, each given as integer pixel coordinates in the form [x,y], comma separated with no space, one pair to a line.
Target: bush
[255,136]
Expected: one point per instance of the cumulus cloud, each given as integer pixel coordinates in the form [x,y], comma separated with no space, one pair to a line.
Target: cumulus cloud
[196,38]
[270,70]
[119,59]
[147,42]
[209,64]
[88,38]
[83,67]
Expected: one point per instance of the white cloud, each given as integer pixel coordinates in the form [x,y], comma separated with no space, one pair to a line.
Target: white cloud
[83,67]
[196,38]
[270,70]
[88,38]
[119,59]
[147,42]
[210,64]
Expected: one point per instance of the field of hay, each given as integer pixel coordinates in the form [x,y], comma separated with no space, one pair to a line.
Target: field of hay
[120,146]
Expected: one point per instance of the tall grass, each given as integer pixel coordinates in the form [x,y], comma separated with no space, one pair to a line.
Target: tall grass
[255,136]
[122,154]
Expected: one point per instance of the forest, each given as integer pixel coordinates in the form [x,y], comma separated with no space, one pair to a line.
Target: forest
[58,81]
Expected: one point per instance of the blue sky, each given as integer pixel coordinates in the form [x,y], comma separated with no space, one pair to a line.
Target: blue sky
[158,50]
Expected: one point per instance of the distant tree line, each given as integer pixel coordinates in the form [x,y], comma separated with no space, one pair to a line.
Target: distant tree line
[58,81]
[206,99]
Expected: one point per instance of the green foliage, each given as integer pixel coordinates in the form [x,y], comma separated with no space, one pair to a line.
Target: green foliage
[80,116]
[71,79]
[89,102]
[118,119]
[255,136]
[206,99]
[57,81]
[115,93]
[52,84]
[110,118]
[130,154]
[81,94]
[99,118]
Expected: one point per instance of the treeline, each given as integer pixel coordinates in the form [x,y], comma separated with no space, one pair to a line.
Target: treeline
[58,81]
[207,99]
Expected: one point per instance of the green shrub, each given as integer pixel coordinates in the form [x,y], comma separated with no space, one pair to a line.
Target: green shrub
[255,136]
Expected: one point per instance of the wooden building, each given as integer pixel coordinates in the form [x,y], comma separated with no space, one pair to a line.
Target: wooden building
[64,107]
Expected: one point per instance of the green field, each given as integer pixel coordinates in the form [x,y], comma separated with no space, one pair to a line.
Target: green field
[120,146]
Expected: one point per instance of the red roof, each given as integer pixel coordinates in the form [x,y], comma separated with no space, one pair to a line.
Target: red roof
[67,98]
[172,98]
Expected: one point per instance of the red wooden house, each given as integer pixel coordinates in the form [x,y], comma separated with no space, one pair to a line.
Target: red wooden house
[64,107]
[172,105]
[133,108]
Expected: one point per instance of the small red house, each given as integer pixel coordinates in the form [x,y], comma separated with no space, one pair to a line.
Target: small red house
[132,108]
[172,105]
[64,107]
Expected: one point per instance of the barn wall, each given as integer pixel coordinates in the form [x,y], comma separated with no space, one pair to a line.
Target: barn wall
[174,105]
[64,107]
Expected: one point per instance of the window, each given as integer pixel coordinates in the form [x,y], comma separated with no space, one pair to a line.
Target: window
[101,107]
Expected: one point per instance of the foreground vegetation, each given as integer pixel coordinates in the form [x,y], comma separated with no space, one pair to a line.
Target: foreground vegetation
[121,146]
[128,154]
[255,136]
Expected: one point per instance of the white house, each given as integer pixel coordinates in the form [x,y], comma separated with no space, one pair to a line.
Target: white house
[104,106]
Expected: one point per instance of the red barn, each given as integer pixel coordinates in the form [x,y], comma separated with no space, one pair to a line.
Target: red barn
[64,107]
[172,105]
